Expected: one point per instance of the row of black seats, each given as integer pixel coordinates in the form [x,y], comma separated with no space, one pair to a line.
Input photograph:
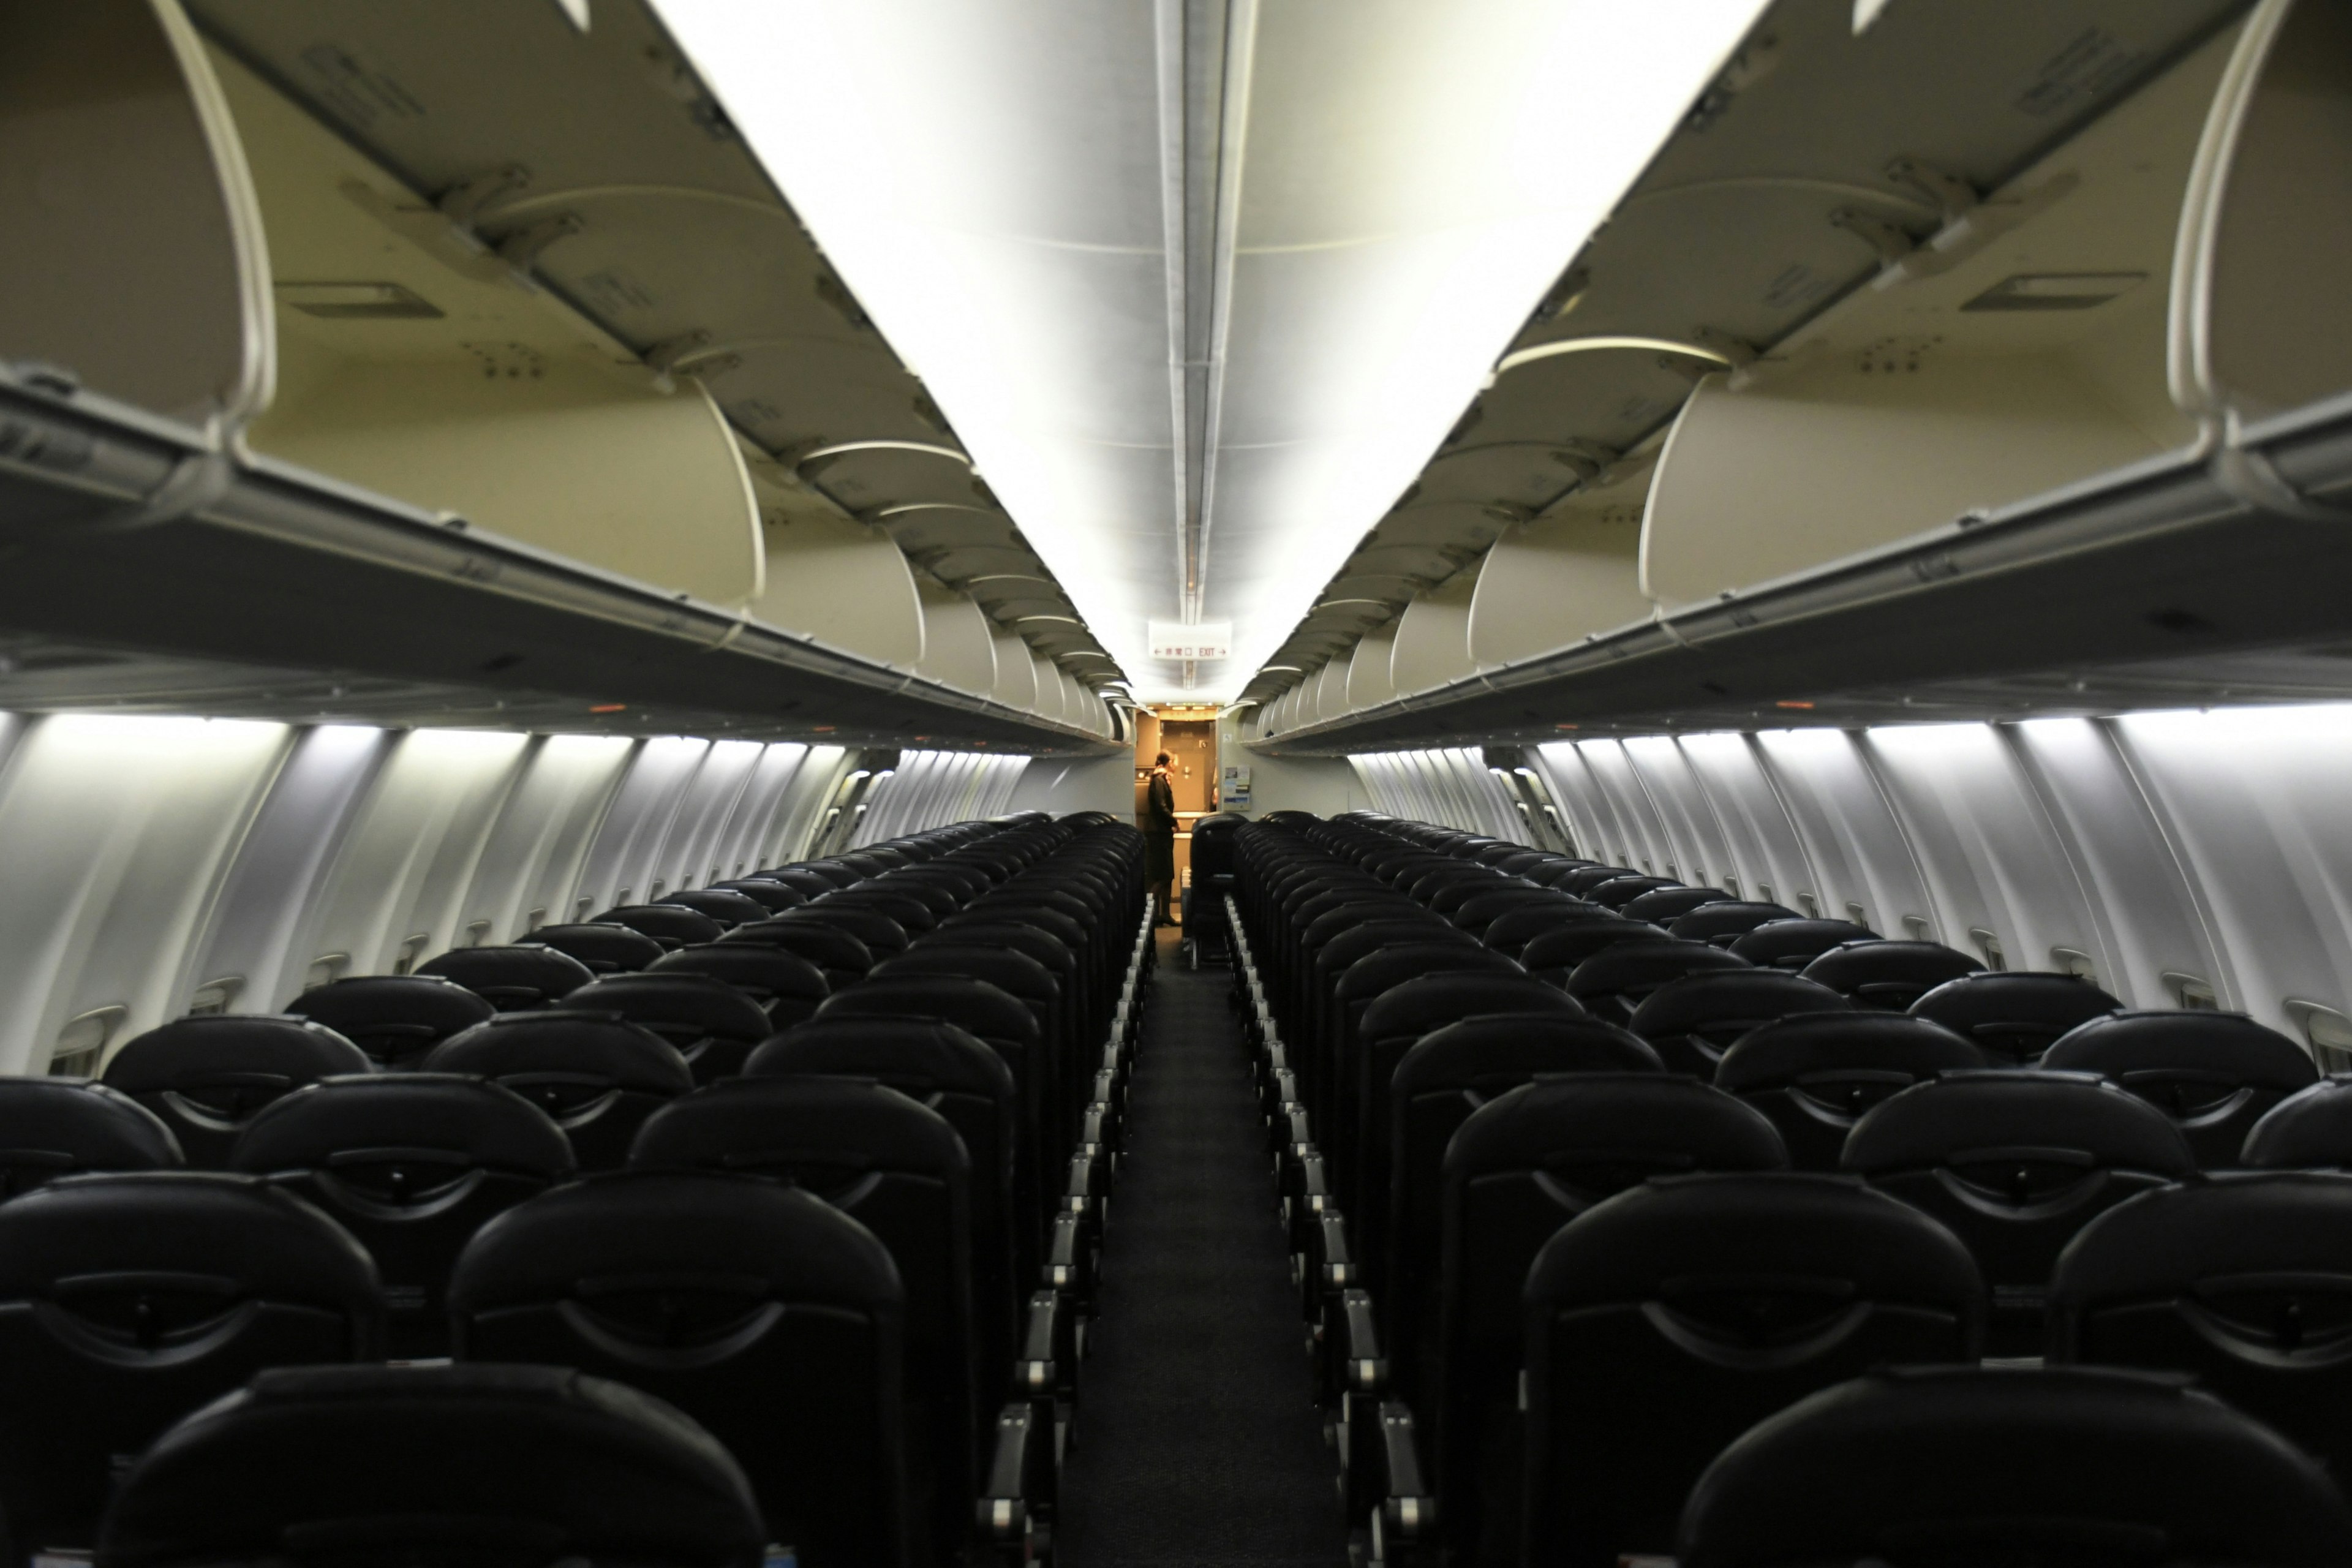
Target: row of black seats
[1594,1273]
[863,1261]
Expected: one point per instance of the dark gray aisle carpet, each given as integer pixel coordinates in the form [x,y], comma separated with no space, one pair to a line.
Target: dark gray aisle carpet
[1198,1439]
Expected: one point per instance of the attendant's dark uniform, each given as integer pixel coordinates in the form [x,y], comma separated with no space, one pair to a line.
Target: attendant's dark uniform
[1159,838]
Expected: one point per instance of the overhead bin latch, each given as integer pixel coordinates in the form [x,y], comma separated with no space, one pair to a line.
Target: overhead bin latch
[465,201]
[1952,195]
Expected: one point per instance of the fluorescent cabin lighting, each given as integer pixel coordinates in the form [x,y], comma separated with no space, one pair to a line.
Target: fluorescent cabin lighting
[1400,182]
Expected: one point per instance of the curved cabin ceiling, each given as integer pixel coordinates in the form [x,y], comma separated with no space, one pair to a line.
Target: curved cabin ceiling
[1202,285]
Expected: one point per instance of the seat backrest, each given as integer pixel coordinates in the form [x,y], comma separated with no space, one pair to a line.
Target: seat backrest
[729,908]
[2015,1015]
[787,986]
[1816,1074]
[2242,1284]
[762,1311]
[1692,1021]
[845,960]
[774,897]
[1660,905]
[411,1164]
[1721,925]
[1521,1166]
[128,1300]
[513,979]
[430,1464]
[2001,1465]
[206,1076]
[800,878]
[1664,1321]
[876,900]
[952,1071]
[672,925]
[885,936]
[605,949]
[395,1018]
[1510,931]
[1475,914]
[898,1168]
[1554,954]
[2215,1074]
[707,1018]
[596,1073]
[1620,891]
[1794,943]
[1618,979]
[2016,1161]
[2311,1131]
[53,1127]
[1888,975]
[1585,878]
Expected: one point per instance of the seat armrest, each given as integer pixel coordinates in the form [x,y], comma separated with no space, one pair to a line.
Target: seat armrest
[1405,1525]
[1018,1499]
[1067,1267]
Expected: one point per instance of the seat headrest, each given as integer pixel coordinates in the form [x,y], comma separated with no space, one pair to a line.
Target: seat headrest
[767,1238]
[2309,1130]
[1514,1046]
[596,1046]
[676,999]
[1727,996]
[1976,1113]
[1587,1117]
[2264,1227]
[363,1003]
[922,1055]
[603,948]
[1392,965]
[1908,968]
[55,1126]
[485,1124]
[1793,943]
[771,1124]
[1988,1003]
[261,1243]
[2226,1046]
[1953,1466]
[988,1011]
[1680,1233]
[246,1045]
[1780,1052]
[1432,1001]
[760,970]
[1624,964]
[465,1462]
[524,966]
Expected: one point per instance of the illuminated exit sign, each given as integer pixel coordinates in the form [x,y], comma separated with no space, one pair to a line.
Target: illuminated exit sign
[1204,639]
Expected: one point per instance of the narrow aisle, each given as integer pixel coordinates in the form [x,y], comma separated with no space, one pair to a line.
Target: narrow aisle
[1199,1441]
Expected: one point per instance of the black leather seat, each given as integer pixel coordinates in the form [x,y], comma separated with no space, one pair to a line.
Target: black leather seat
[513,979]
[2016,1161]
[1585,878]
[774,897]
[2070,1467]
[762,1312]
[396,1020]
[1334,1062]
[1509,933]
[1620,891]
[1691,1022]
[898,1168]
[875,908]
[2307,1131]
[206,1077]
[2015,1016]
[313,1467]
[1664,1322]
[1521,1166]
[1721,925]
[596,1074]
[411,1165]
[1889,976]
[1794,943]
[1475,915]
[1016,974]
[53,1127]
[844,959]
[1618,979]
[604,949]
[2215,1074]
[729,908]
[785,985]
[953,1072]
[810,884]
[1554,954]
[672,925]
[2239,1283]
[128,1300]
[1816,1074]
[712,1023]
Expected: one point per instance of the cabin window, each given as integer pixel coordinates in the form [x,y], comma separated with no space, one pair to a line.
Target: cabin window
[2073,961]
[2329,1032]
[1989,946]
[2191,991]
[476,932]
[533,920]
[215,995]
[325,970]
[412,948]
[83,1041]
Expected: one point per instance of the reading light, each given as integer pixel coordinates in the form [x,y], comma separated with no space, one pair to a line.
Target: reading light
[1389,189]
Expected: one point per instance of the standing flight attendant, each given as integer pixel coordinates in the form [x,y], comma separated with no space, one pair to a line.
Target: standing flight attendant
[1160,839]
